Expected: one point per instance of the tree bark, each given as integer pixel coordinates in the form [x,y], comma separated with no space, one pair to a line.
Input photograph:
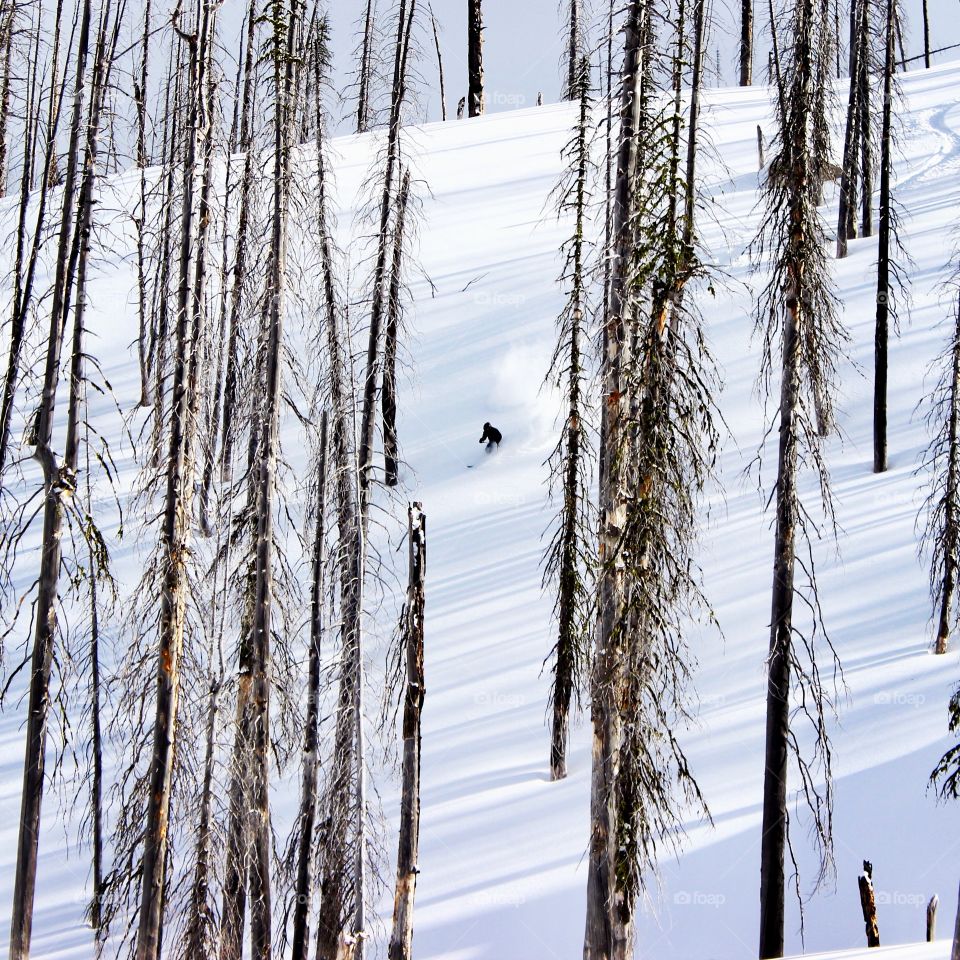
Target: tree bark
[475,99]
[881,333]
[401,939]
[175,535]
[868,905]
[746,43]
[58,481]
[932,918]
[366,66]
[311,733]
[436,43]
[378,305]
[948,583]
[389,388]
[926,35]
[602,854]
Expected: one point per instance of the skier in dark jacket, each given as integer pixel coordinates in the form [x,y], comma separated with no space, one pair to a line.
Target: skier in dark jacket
[491,436]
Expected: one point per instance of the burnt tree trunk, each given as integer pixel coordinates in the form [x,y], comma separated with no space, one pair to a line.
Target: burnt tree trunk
[389,389]
[59,480]
[475,101]
[746,43]
[311,733]
[868,904]
[401,939]
[881,333]
[605,716]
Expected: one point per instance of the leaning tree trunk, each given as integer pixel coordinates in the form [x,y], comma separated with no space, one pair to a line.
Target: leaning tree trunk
[883,265]
[401,939]
[436,44]
[59,480]
[475,101]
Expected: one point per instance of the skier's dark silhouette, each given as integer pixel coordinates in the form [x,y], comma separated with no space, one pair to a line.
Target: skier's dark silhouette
[491,436]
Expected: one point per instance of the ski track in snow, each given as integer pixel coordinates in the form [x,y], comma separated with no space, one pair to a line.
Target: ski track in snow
[502,868]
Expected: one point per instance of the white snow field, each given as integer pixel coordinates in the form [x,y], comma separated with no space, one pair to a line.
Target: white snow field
[502,849]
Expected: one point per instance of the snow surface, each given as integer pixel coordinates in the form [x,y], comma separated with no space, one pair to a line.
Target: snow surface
[502,849]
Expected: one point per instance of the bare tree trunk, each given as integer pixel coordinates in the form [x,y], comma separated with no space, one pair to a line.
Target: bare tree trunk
[436,43]
[332,917]
[240,249]
[176,529]
[926,35]
[932,918]
[311,758]
[140,98]
[746,43]
[379,296]
[366,67]
[26,263]
[401,939]
[394,308]
[475,100]
[951,522]
[602,855]
[8,13]
[868,904]
[58,480]
[574,44]
[866,122]
[881,333]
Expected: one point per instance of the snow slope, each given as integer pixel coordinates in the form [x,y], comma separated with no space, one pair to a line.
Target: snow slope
[502,870]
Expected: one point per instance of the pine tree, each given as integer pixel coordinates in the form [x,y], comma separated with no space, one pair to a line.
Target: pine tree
[797,315]
[568,559]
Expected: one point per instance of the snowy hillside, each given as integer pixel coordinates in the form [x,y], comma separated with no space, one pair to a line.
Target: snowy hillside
[501,860]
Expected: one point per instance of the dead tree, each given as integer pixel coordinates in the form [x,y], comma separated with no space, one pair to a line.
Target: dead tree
[868,904]
[797,314]
[657,437]
[941,534]
[341,877]
[746,43]
[366,69]
[379,295]
[569,556]
[932,918]
[388,392]
[59,482]
[926,35]
[401,938]
[575,45]
[887,235]
[436,44]
[306,823]
[475,100]
[176,522]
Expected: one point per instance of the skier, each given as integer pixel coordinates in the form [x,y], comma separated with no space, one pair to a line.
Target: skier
[491,436]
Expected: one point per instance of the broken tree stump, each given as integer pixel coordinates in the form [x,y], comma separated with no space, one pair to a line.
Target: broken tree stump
[868,903]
